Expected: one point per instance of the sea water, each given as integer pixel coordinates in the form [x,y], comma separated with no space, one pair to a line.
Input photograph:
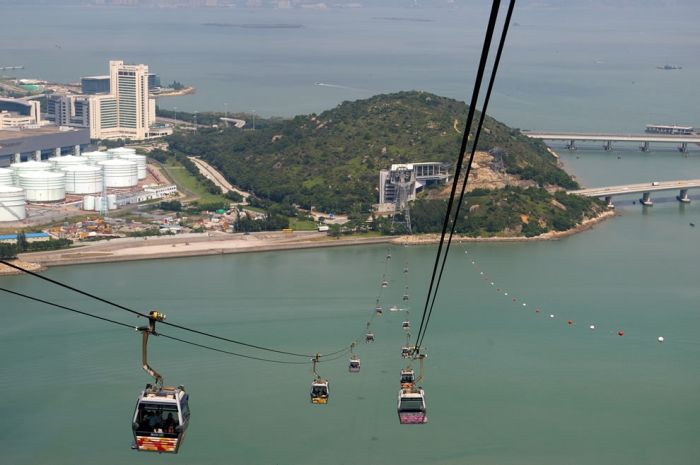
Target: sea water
[504,383]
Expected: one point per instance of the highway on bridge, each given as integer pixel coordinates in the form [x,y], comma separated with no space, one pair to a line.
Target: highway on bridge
[638,188]
[620,137]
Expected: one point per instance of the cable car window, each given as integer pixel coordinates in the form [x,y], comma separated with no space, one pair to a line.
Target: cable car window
[411,405]
[185,407]
[157,418]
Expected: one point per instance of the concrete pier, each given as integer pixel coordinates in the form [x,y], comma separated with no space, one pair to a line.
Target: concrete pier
[645,146]
[608,145]
[37,155]
[609,202]
[683,196]
[646,199]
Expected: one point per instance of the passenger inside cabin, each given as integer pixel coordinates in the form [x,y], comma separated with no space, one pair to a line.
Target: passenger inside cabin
[169,424]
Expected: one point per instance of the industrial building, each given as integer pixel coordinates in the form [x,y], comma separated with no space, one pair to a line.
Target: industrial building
[18,113]
[401,183]
[40,143]
[93,181]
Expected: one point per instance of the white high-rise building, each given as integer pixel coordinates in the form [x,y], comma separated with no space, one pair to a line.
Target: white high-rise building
[126,112]
[129,85]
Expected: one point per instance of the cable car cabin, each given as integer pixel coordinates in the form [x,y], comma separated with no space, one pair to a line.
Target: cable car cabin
[369,337]
[354,366]
[408,378]
[385,284]
[406,325]
[378,310]
[161,419]
[406,351]
[319,391]
[411,407]
[405,297]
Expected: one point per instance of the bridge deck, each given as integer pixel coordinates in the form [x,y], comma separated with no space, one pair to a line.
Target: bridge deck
[638,188]
[621,137]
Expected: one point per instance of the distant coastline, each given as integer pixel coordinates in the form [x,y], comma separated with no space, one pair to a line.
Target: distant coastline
[399,18]
[196,245]
[256,25]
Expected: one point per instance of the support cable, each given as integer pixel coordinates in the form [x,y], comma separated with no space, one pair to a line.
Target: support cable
[108,320]
[482,117]
[462,152]
[174,325]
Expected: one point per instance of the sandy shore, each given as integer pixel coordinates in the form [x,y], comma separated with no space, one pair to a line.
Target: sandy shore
[8,270]
[192,245]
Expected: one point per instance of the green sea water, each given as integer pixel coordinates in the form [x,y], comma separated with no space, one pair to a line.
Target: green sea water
[504,384]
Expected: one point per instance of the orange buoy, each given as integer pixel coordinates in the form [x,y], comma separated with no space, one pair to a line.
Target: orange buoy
[620,333]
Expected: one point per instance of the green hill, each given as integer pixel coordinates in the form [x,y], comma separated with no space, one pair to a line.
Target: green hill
[332,160]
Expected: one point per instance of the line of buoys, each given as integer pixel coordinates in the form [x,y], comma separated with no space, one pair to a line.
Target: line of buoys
[484,276]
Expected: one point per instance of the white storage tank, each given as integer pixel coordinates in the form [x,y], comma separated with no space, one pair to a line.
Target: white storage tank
[119,151]
[43,186]
[12,204]
[88,202]
[6,177]
[140,161]
[83,179]
[69,160]
[27,167]
[111,202]
[98,203]
[120,173]
[96,157]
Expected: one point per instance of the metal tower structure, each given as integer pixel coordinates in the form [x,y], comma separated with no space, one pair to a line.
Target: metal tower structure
[404,180]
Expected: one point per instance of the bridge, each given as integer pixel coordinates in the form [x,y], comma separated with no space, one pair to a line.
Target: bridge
[607,139]
[644,188]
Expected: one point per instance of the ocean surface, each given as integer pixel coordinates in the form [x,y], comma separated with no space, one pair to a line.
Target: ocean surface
[566,66]
[505,384]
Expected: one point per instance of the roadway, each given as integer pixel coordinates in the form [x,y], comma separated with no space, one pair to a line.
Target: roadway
[621,137]
[217,178]
[638,188]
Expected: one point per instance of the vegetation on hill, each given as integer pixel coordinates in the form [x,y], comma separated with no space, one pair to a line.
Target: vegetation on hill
[331,161]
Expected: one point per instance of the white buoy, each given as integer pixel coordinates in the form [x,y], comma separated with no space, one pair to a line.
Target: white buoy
[592,327]
[481,272]
[492,283]
[524,304]
[551,315]
[505,293]
[660,339]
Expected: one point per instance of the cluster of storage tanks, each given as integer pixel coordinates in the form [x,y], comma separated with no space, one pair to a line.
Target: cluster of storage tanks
[51,180]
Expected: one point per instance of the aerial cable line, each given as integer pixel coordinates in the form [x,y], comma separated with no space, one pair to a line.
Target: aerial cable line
[435,284]
[53,304]
[174,325]
[460,159]
[36,299]
[482,117]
